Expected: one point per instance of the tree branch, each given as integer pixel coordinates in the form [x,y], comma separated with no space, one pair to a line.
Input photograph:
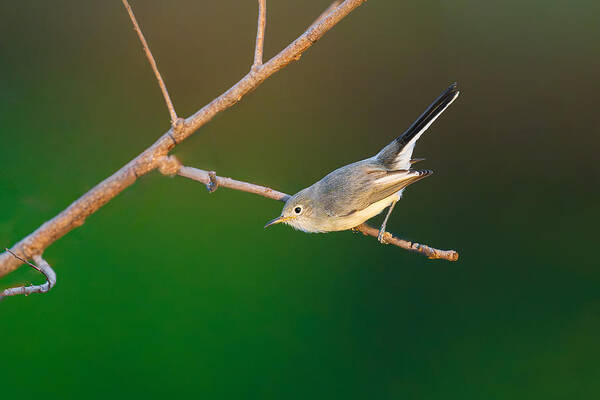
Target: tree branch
[152,62]
[75,215]
[172,167]
[260,33]
[42,267]
[204,177]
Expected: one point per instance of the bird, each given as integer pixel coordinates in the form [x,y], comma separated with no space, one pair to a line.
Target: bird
[352,194]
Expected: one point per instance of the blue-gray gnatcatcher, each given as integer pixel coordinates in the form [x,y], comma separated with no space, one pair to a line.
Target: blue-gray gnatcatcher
[350,195]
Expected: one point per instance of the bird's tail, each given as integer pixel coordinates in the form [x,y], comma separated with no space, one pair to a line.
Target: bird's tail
[397,154]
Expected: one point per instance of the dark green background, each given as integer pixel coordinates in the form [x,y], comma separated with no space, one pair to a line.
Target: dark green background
[170,291]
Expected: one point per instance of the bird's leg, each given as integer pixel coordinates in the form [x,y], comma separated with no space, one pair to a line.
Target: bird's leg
[380,237]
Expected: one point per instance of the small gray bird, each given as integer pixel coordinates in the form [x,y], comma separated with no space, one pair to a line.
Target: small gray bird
[350,195]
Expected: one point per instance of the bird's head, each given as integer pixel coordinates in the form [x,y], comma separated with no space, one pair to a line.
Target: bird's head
[297,212]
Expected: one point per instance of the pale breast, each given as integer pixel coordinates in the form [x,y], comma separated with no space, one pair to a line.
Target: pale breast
[358,217]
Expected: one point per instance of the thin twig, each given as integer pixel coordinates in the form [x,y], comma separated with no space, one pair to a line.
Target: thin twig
[75,215]
[205,177]
[152,62]
[42,267]
[260,33]
[430,252]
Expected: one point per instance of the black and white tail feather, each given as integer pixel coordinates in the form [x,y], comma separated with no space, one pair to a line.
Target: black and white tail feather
[397,155]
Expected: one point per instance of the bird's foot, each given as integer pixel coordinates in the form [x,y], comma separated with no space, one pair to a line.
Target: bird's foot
[355,229]
[382,236]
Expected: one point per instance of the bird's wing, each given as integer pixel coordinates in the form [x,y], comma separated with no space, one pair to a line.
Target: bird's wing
[355,187]
[397,154]
[388,183]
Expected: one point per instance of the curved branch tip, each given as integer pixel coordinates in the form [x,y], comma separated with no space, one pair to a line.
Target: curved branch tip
[43,267]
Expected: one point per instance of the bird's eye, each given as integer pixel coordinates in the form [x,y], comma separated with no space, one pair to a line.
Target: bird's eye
[298,210]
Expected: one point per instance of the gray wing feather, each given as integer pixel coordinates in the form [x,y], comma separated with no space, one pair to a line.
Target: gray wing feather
[356,186]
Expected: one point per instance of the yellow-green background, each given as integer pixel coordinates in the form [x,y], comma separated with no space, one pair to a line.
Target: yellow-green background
[170,291]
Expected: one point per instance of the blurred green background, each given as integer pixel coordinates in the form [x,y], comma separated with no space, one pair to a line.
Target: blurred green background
[168,290]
